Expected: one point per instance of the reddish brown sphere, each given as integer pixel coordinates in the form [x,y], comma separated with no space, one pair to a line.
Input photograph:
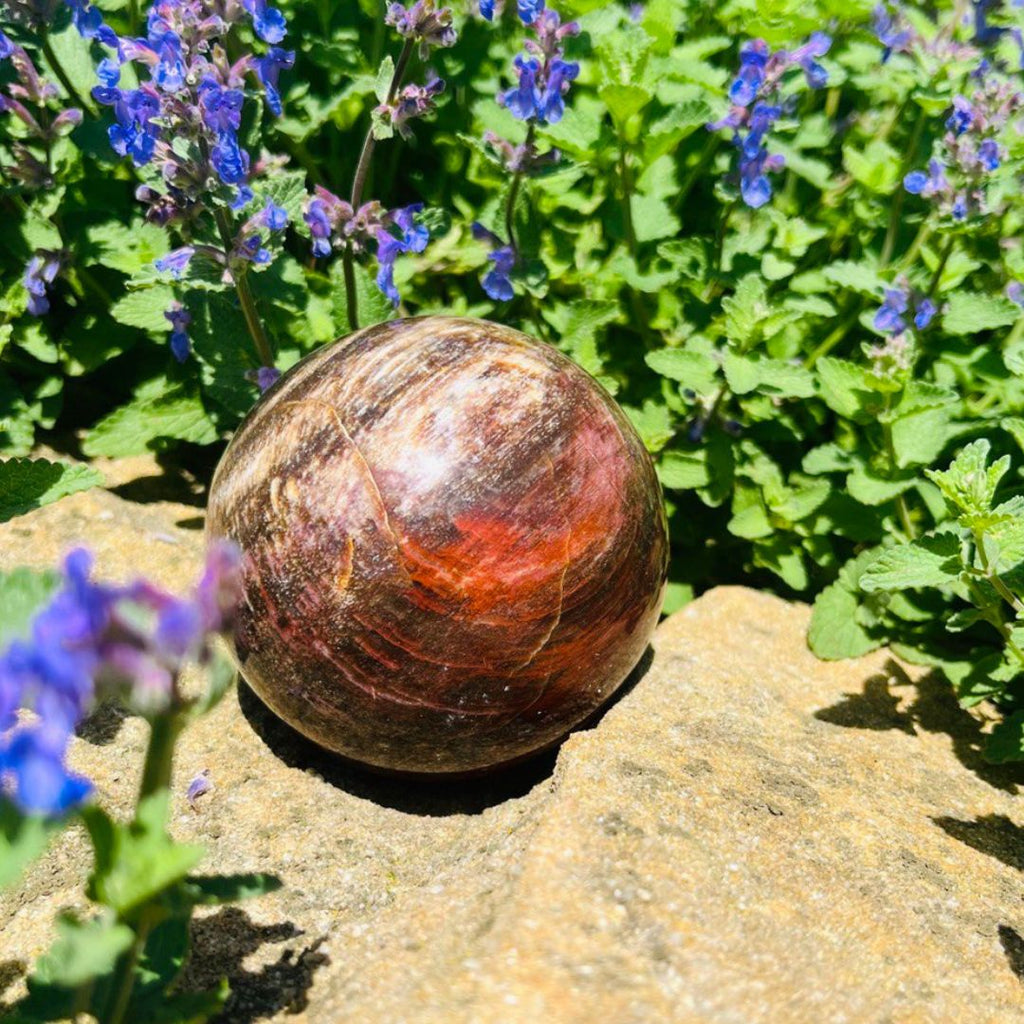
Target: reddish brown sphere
[455,548]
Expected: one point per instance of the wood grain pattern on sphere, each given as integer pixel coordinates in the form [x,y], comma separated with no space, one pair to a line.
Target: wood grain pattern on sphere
[455,545]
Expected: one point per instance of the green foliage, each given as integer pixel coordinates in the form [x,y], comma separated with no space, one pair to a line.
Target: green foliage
[26,484]
[798,449]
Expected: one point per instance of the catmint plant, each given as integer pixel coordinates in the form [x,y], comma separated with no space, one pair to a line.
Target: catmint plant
[756,95]
[94,643]
[538,98]
[181,129]
[33,105]
[357,227]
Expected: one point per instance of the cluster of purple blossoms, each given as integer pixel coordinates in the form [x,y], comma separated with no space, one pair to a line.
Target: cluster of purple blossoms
[411,102]
[388,233]
[756,106]
[185,117]
[90,643]
[970,151]
[895,356]
[891,315]
[424,22]
[544,77]
[192,101]
[30,99]
[892,30]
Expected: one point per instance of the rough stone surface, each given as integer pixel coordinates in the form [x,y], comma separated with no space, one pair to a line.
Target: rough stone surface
[746,835]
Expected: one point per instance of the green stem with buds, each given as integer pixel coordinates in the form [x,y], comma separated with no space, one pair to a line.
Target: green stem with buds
[513,193]
[246,299]
[359,182]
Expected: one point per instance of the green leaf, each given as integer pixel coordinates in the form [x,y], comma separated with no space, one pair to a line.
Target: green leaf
[745,310]
[137,862]
[684,470]
[858,277]
[653,422]
[867,487]
[26,484]
[147,421]
[695,370]
[972,312]
[382,83]
[22,837]
[144,308]
[83,951]
[969,484]
[877,167]
[746,373]
[22,592]
[1006,741]
[130,249]
[928,562]
[845,388]
[835,631]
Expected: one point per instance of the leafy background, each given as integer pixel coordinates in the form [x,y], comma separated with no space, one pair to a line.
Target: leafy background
[734,338]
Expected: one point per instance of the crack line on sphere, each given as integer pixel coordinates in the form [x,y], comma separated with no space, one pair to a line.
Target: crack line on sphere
[368,473]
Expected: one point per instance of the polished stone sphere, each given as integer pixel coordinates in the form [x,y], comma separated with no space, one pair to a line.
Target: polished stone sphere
[454,545]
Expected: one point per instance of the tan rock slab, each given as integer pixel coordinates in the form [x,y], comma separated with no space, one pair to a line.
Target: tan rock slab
[748,834]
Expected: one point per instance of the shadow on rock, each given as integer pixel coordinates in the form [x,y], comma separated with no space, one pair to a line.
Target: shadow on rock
[103,725]
[428,796]
[1013,947]
[10,972]
[994,834]
[934,709]
[220,945]
[182,480]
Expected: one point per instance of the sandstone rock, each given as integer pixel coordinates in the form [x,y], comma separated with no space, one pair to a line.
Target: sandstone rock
[747,834]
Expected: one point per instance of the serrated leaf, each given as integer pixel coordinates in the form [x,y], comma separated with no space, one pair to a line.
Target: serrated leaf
[835,631]
[970,483]
[26,484]
[746,373]
[382,82]
[876,167]
[845,388]
[653,423]
[83,951]
[695,370]
[867,487]
[972,312]
[684,470]
[138,427]
[145,308]
[745,310]
[1006,741]
[927,562]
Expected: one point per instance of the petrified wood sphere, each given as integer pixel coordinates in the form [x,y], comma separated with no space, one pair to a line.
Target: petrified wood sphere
[454,545]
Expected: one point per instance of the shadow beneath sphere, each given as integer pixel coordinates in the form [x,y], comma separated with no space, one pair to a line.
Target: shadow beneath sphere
[220,945]
[425,795]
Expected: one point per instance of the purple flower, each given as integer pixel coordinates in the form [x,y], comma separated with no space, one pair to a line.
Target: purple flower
[753,59]
[487,9]
[962,117]
[932,183]
[551,105]
[1014,292]
[108,71]
[199,786]
[170,70]
[497,282]
[522,101]
[989,154]
[924,313]
[222,108]
[319,222]
[268,22]
[179,319]
[410,237]
[39,273]
[528,10]
[6,47]
[889,318]
[268,69]
[175,261]
[273,217]
[89,23]
[135,133]
[39,781]
[894,35]
[230,161]
[267,377]
[425,22]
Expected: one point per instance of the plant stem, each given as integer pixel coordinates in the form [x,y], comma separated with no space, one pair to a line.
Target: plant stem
[706,157]
[923,234]
[246,299]
[947,250]
[513,192]
[890,449]
[62,75]
[896,209]
[1000,587]
[835,337]
[359,182]
[716,260]
[133,15]
[627,198]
